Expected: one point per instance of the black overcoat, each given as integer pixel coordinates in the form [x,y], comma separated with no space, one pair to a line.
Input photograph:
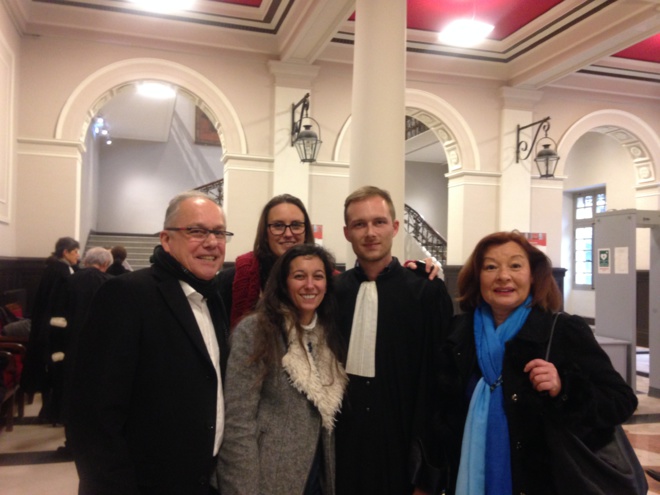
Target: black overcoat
[143,408]
[51,290]
[594,397]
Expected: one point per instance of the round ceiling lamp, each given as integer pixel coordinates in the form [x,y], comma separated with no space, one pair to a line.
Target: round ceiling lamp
[465,32]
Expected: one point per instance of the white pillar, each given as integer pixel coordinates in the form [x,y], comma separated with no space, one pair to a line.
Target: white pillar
[468,191]
[377,153]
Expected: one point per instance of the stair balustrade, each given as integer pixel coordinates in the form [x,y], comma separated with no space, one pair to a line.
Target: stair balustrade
[425,235]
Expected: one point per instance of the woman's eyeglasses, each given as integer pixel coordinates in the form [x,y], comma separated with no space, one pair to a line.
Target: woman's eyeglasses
[278,228]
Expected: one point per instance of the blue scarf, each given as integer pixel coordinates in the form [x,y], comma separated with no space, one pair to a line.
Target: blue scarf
[485,467]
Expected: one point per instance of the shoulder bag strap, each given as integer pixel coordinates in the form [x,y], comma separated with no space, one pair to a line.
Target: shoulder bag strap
[552,332]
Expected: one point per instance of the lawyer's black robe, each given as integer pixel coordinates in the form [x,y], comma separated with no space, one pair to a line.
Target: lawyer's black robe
[384,422]
[49,294]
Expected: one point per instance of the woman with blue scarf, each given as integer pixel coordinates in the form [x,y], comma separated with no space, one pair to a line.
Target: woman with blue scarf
[493,424]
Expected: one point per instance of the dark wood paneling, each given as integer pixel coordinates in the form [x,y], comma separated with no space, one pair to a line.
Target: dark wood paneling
[21,273]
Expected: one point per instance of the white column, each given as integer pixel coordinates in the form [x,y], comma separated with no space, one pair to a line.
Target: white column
[377,153]
[292,82]
[468,191]
[546,215]
[515,183]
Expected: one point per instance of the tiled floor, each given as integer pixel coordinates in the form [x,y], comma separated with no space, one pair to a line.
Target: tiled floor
[46,473]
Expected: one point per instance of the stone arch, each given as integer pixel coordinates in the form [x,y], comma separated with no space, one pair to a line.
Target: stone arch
[448,125]
[98,88]
[441,118]
[635,135]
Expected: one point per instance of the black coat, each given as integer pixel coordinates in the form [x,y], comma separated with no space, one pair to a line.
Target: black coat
[143,408]
[80,290]
[384,443]
[594,397]
[51,290]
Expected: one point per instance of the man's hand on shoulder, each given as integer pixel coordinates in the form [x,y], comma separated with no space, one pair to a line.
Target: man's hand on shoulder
[429,266]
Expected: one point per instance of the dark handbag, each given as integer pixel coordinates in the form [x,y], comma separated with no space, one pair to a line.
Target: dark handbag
[613,469]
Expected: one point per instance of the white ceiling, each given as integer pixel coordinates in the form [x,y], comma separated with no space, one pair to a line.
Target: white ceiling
[132,116]
[425,148]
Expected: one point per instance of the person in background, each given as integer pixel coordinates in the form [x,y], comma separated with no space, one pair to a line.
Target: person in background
[393,320]
[117,267]
[79,292]
[146,410]
[35,377]
[497,385]
[285,384]
[283,223]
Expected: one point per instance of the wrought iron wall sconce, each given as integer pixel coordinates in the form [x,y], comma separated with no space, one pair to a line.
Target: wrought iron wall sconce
[547,158]
[306,141]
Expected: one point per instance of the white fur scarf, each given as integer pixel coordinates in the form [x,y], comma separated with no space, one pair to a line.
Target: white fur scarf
[313,371]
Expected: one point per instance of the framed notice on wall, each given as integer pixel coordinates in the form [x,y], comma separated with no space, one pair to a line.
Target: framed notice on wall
[538,239]
[205,132]
[318,234]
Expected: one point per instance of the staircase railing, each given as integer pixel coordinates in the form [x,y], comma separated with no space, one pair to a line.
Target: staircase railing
[427,236]
[214,189]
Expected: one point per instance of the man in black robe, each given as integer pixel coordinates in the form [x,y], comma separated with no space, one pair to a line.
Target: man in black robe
[393,320]
[79,292]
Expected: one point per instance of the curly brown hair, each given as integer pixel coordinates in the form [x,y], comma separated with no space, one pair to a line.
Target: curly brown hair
[275,308]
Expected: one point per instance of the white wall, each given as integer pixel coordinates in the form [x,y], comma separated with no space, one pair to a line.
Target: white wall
[9,63]
[426,192]
[138,178]
[90,188]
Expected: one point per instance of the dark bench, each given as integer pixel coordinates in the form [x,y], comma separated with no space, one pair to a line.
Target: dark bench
[12,357]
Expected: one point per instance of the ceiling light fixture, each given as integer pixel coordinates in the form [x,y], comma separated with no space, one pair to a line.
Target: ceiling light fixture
[100,128]
[156,90]
[164,5]
[465,32]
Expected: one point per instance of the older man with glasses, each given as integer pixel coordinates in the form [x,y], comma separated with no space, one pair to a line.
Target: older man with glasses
[147,406]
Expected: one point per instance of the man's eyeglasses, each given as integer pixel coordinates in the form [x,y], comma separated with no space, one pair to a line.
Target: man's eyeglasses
[200,234]
[278,228]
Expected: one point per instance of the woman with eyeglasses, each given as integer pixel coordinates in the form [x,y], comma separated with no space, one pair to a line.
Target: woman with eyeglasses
[283,223]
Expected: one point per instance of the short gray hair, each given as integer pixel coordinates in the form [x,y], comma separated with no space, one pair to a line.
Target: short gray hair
[175,204]
[97,256]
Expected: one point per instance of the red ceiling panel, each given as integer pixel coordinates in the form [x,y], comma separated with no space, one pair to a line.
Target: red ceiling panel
[647,50]
[506,15]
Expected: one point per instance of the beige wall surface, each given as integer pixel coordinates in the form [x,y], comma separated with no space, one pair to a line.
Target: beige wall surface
[9,62]
[65,78]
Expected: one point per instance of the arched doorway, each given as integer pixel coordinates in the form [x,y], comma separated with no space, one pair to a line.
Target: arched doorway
[115,81]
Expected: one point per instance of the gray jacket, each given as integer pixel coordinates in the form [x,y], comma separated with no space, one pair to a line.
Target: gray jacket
[271,432]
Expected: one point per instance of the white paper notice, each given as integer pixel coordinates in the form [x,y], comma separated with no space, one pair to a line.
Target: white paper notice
[621,260]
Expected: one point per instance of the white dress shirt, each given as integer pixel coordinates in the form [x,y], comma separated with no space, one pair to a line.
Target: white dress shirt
[201,311]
